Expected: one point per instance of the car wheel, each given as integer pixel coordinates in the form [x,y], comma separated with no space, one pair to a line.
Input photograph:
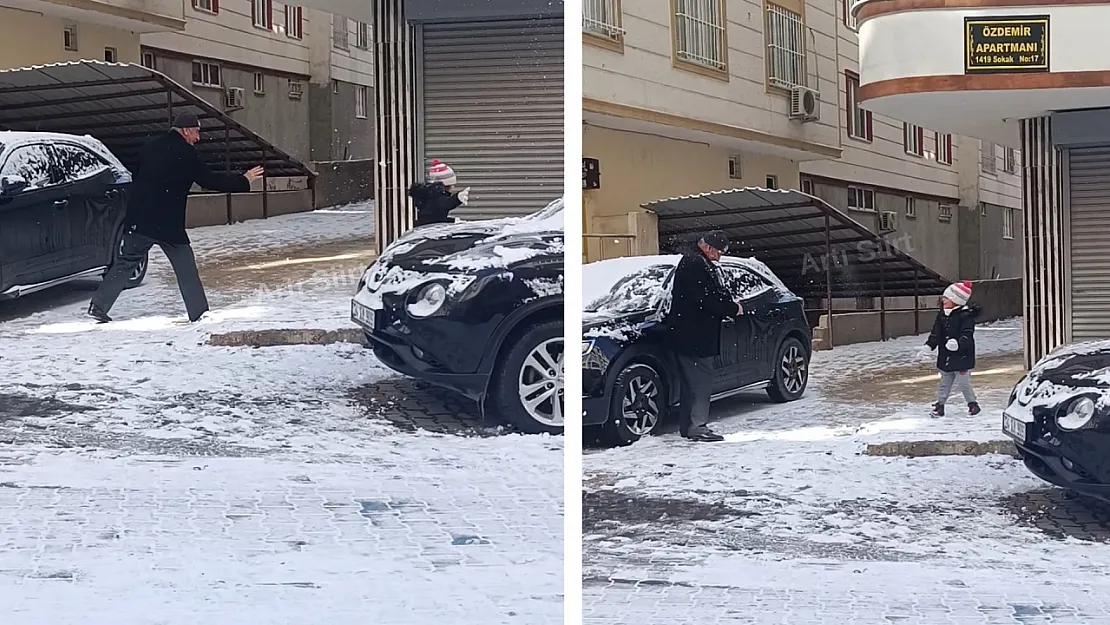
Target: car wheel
[638,405]
[791,374]
[528,382]
[139,274]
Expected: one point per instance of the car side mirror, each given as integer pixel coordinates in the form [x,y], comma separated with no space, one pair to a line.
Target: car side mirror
[12,185]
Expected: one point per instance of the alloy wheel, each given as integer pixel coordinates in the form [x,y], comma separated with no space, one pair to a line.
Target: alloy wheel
[793,369]
[137,272]
[540,383]
[640,405]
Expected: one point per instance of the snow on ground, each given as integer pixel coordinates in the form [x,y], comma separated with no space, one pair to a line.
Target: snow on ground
[787,522]
[148,478]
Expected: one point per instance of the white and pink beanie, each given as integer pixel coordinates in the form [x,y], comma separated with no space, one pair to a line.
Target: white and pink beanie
[440,172]
[958,292]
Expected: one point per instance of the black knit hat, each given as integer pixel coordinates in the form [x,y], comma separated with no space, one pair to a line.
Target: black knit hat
[717,240]
[186,120]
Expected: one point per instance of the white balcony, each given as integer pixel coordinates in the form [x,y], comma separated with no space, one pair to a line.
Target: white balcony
[976,71]
[138,16]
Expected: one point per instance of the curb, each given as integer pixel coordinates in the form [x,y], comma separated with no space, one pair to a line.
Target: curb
[924,449]
[278,338]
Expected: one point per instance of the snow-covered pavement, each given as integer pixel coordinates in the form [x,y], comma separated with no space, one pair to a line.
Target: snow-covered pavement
[787,522]
[146,477]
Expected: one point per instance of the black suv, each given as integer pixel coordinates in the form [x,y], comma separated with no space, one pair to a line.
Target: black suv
[62,205]
[629,375]
[475,307]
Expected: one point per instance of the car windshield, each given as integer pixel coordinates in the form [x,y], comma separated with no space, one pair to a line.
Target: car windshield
[638,291]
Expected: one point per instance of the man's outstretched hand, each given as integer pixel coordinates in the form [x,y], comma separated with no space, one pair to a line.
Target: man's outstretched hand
[254,173]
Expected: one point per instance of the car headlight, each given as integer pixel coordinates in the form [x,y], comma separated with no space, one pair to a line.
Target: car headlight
[587,347]
[1077,415]
[428,301]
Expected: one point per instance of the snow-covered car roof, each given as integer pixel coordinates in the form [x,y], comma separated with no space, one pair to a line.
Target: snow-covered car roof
[15,138]
[599,278]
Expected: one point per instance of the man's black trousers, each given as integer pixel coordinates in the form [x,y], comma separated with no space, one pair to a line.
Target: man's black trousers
[134,249]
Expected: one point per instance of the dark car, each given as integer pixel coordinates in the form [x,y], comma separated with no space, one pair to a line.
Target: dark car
[1059,417]
[630,378]
[62,205]
[475,307]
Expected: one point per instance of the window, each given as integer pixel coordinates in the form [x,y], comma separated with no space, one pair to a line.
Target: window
[296,89]
[772,183]
[110,55]
[786,48]
[849,19]
[601,23]
[32,163]
[1008,223]
[76,163]
[209,6]
[259,83]
[362,35]
[807,186]
[1010,164]
[944,148]
[987,158]
[861,199]
[699,35]
[148,60]
[69,37]
[334,86]
[945,213]
[294,22]
[735,172]
[742,283]
[859,120]
[206,74]
[911,208]
[340,37]
[913,139]
[262,13]
[362,96]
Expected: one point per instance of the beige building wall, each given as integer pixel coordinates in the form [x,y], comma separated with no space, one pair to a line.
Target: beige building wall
[30,38]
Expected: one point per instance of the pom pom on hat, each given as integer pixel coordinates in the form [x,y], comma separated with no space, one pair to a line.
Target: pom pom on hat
[959,292]
[441,172]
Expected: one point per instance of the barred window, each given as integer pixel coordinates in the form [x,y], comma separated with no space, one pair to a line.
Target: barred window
[602,18]
[786,47]
[700,33]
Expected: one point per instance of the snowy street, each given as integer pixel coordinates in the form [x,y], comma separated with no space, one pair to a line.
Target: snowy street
[787,521]
[147,477]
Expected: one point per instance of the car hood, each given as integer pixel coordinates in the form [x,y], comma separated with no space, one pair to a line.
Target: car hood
[1068,371]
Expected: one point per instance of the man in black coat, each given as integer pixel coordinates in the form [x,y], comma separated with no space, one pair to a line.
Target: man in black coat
[168,166]
[699,303]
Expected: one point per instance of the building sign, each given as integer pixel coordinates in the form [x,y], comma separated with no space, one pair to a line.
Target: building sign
[1001,45]
[591,173]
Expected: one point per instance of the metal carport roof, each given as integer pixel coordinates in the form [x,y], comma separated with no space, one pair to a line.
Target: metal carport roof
[794,233]
[124,105]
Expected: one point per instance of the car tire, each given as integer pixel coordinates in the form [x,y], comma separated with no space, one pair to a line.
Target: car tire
[534,361]
[136,278]
[638,405]
[791,371]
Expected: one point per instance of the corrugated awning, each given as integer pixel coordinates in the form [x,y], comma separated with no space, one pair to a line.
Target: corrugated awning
[796,235]
[124,105]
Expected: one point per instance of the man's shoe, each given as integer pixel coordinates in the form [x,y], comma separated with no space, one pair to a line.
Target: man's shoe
[99,315]
[201,317]
[704,436]
[938,410]
[973,408]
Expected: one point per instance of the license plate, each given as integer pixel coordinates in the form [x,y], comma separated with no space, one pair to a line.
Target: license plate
[1015,427]
[362,315]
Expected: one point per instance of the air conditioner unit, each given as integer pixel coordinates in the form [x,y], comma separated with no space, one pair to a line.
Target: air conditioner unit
[805,104]
[233,98]
[886,221]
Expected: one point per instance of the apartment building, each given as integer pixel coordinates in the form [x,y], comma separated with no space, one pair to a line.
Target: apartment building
[688,96]
[289,73]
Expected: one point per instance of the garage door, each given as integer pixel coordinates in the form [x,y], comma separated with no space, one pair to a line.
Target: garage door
[1089,179]
[493,111]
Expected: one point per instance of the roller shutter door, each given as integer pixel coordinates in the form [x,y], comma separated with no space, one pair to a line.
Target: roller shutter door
[1089,194]
[493,111]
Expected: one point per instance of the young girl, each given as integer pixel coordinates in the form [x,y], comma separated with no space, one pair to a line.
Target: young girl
[953,337]
[434,198]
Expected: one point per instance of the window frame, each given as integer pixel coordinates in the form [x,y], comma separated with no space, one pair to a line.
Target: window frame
[153,60]
[807,183]
[208,64]
[1010,161]
[362,100]
[944,149]
[771,181]
[849,21]
[260,83]
[262,14]
[362,35]
[71,30]
[340,32]
[1008,215]
[54,176]
[857,115]
[859,192]
[294,28]
[773,83]
[213,7]
[112,52]
[917,146]
[945,212]
[911,207]
[988,159]
[56,148]
[735,167]
[614,40]
[677,61]
[298,93]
